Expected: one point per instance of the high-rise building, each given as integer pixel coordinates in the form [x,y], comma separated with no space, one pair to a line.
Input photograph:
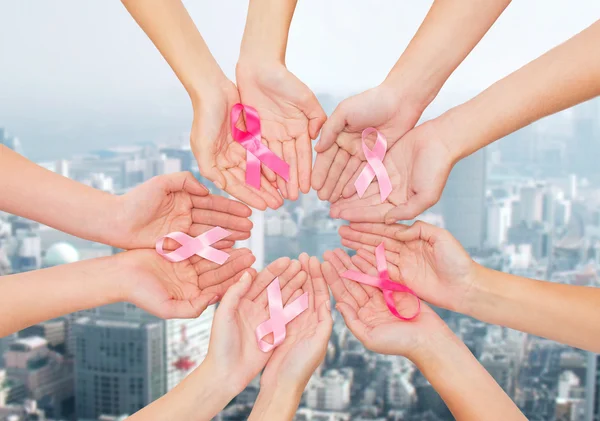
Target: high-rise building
[119,365]
[10,141]
[47,375]
[592,388]
[463,201]
[256,242]
[499,217]
[532,204]
[330,392]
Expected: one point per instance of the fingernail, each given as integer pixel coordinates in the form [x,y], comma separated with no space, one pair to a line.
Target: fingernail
[214,300]
[328,305]
[245,277]
[218,184]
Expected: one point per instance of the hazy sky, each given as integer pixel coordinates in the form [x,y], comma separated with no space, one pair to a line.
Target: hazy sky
[66,62]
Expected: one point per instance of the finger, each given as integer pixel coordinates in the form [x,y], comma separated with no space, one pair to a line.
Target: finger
[321,167]
[350,188]
[268,172]
[360,291]
[350,315]
[225,244]
[368,239]
[347,173]
[416,205]
[290,273]
[187,309]
[364,266]
[338,287]
[335,170]
[238,189]
[221,289]
[325,321]
[318,281]
[208,167]
[289,154]
[374,213]
[233,296]
[211,273]
[308,285]
[312,109]
[266,276]
[218,203]
[332,128]
[305,160]
[392,262]
[293,288]
[197,229]
[384,230]
[221,219]
[183,181]
[420,231]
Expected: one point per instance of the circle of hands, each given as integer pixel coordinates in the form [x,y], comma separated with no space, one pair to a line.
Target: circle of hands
[425,258]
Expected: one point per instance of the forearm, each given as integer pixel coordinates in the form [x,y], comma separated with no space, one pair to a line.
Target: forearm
[266,33]
[278,402]
[430,59]
[565,313]
[565,76]
[31,297]
[173,32]
[199,397]
[468,390]
[36,193]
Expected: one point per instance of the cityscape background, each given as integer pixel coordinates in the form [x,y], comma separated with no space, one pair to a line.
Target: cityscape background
[83,93]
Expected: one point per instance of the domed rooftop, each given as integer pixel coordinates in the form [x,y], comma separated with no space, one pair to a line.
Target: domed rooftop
[59,254]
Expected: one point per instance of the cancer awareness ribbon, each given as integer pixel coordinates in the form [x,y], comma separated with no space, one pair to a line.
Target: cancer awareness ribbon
[384,283]
[256,152]
[280,316]
[200,245]
[374,167]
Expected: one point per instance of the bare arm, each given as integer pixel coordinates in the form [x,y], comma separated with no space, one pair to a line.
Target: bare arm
[36,193]
[564,313]
[565,76]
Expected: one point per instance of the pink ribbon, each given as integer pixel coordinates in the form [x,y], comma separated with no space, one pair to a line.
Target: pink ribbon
[280,316]
[384,283]
[200,245]
[374,167]
[256,152]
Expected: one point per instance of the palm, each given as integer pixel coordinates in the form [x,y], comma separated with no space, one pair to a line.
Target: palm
[418,168]
[182,289]
[341,158]
[286,107]
[223,160]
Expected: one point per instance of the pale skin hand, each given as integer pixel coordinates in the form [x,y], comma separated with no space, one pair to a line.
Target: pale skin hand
[177,202]
[183,289]
[220,159]
[233,346]
[289,111]
[418,166]
[465,386]
[294,361]
[425,258]
[395,106]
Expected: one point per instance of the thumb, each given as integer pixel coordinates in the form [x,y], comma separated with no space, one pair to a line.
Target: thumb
[325,320]
[185,181]
[314,112]
[332,128]
[415,206]
[350,316]
[208,168]
[187,309]
[419,231]
[235,293]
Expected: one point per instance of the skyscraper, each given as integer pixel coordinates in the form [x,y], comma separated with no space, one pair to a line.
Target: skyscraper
[119,365]
[463,201]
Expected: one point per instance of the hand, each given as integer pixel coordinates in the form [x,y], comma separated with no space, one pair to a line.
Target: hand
[340,157]
[418,166]
[367,316]
[179,290]
[233,346]
[426,258]
[290,117]
[220,158]
[177,202]
[304,348]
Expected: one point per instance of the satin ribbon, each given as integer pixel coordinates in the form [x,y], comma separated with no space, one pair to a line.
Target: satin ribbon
[256,152]
[200,245]
[384,283]
[280,316]
[374,167]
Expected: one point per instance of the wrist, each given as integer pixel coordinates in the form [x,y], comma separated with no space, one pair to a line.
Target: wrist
[434,347]
[277,402]
[452,129]
[412,85]
[206,89]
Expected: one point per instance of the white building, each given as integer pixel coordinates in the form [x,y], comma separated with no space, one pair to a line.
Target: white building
[330,392]
[499,218]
